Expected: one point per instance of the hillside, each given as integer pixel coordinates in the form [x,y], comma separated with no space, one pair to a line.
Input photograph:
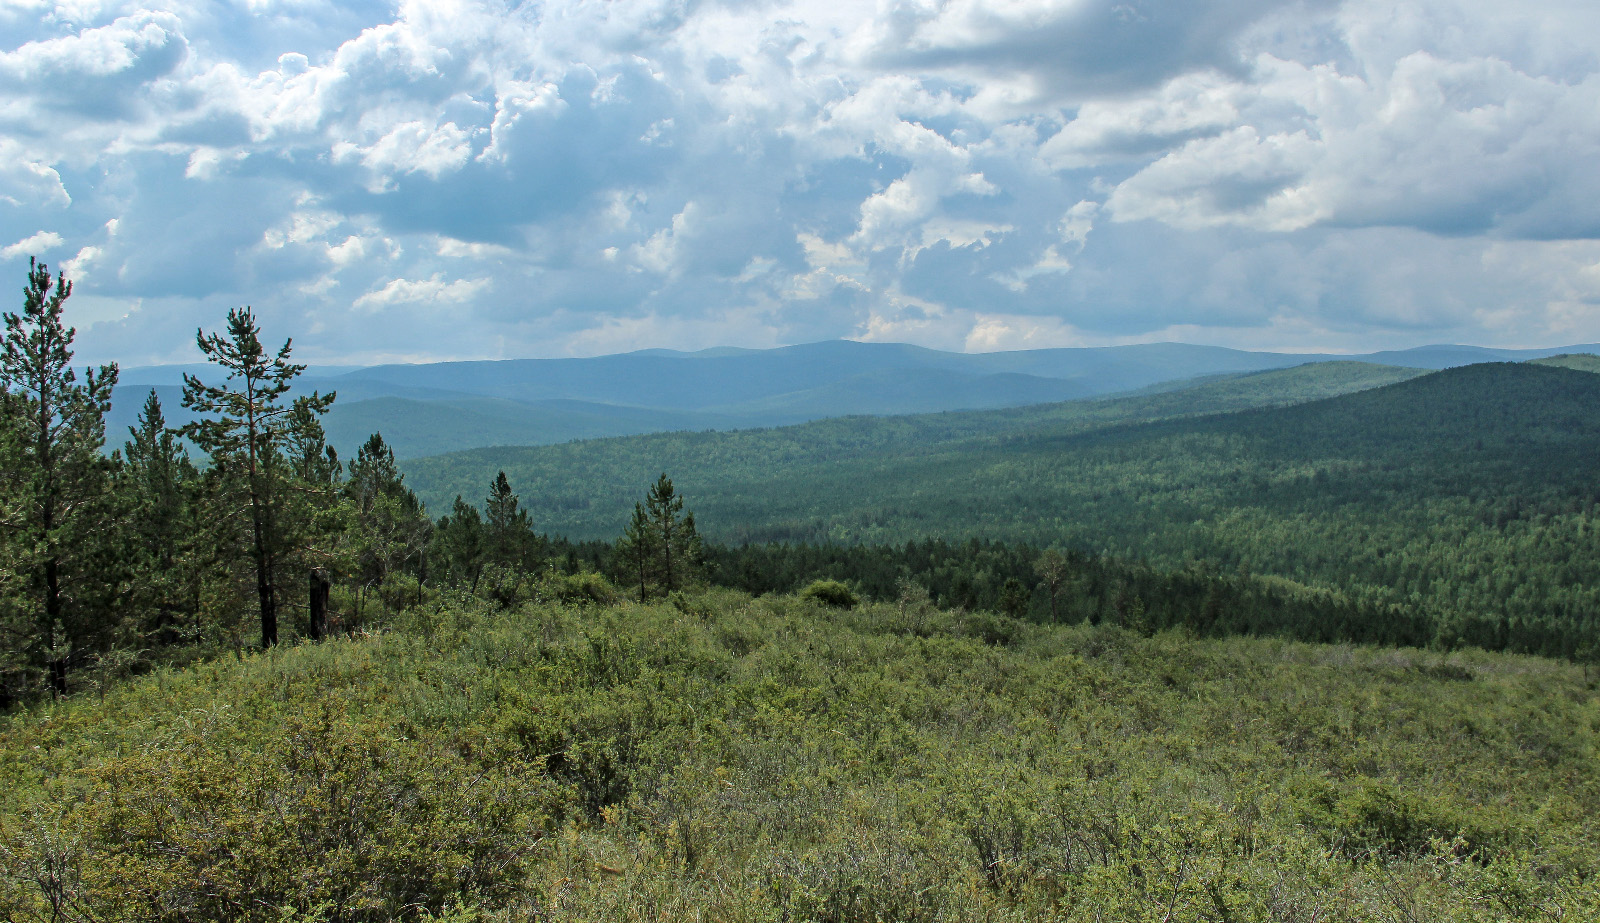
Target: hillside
[1467,492]
[619,464]
[433,407]
[1583,362]
[739,759]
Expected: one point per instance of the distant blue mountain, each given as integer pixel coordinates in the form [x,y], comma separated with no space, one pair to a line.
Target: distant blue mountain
[436,407]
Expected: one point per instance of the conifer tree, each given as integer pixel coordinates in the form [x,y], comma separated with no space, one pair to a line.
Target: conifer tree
[636,551]
[507,532]
[458,545]
[677,543]
[62,515]
[158,479]
[249,429]
[390,526]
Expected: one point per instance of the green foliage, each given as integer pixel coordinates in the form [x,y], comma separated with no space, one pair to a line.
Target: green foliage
[270,470]
[390,531]
[1463,499]
[831,593]
[578,589]
[60,591]
[659,551]
[764,759]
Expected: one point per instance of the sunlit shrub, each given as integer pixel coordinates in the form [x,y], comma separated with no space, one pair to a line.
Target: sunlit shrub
[832,593]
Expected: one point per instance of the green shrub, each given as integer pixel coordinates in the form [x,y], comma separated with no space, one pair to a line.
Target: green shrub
[578,589]
[831,593]
[243,822]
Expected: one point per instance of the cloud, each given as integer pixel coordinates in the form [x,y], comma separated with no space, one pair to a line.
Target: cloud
[515,179]
[98,72]
[433,290]
[1451,147]
[1069,51]
[36,245]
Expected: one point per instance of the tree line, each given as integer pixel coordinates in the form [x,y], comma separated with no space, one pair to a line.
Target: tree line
[110,561]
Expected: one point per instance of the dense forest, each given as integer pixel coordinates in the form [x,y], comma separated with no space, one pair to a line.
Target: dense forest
[118,560]
[1467,495]
[1250,649]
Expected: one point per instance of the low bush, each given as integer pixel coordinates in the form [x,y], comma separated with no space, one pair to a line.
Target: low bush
[831,593]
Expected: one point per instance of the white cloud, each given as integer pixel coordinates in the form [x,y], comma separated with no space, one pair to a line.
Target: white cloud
[36,245]
[433,290]
[556,177]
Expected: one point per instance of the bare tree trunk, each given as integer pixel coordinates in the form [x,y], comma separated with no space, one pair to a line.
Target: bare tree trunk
[320,588]
[269,607]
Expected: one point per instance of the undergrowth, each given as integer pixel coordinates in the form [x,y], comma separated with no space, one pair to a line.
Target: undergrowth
[722,757]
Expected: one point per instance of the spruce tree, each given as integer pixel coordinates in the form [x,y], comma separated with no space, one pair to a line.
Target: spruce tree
[62,514]
[247,433]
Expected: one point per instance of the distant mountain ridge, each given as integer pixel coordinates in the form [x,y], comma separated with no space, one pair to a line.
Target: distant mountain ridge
[438,407]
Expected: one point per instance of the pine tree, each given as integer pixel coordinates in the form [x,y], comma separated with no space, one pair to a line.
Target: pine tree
[62,542]
[247,436]
[676,540]
[390,526]
[508,534]
[636,552]
[458,545]
[158,478]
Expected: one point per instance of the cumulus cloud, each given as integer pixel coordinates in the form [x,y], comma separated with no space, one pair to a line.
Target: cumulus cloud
[514,179]
[37,245]
[433,290]
[97,72]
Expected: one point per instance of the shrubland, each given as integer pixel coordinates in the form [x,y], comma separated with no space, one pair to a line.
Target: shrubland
[718,756]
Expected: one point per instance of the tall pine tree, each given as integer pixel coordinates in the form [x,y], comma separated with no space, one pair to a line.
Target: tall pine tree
[247,431]
[62,543]
[390,528]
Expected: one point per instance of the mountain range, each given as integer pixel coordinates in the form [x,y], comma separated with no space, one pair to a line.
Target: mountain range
[426,409]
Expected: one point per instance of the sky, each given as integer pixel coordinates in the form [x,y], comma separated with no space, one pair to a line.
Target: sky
[419,181]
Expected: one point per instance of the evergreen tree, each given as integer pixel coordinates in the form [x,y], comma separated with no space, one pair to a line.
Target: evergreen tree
[458,545]
[19,625]
[247,434]
[159,479]
[508,535]
[677,543]
[62,514]
[390,527]
[636,553]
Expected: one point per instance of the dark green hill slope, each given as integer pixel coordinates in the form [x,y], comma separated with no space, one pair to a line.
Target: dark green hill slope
[428,427]
[613,469]
[545,401]
[1469,493]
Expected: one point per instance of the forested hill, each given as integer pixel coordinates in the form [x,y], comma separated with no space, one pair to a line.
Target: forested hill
[618,465]
[429,408]
[1470,493]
